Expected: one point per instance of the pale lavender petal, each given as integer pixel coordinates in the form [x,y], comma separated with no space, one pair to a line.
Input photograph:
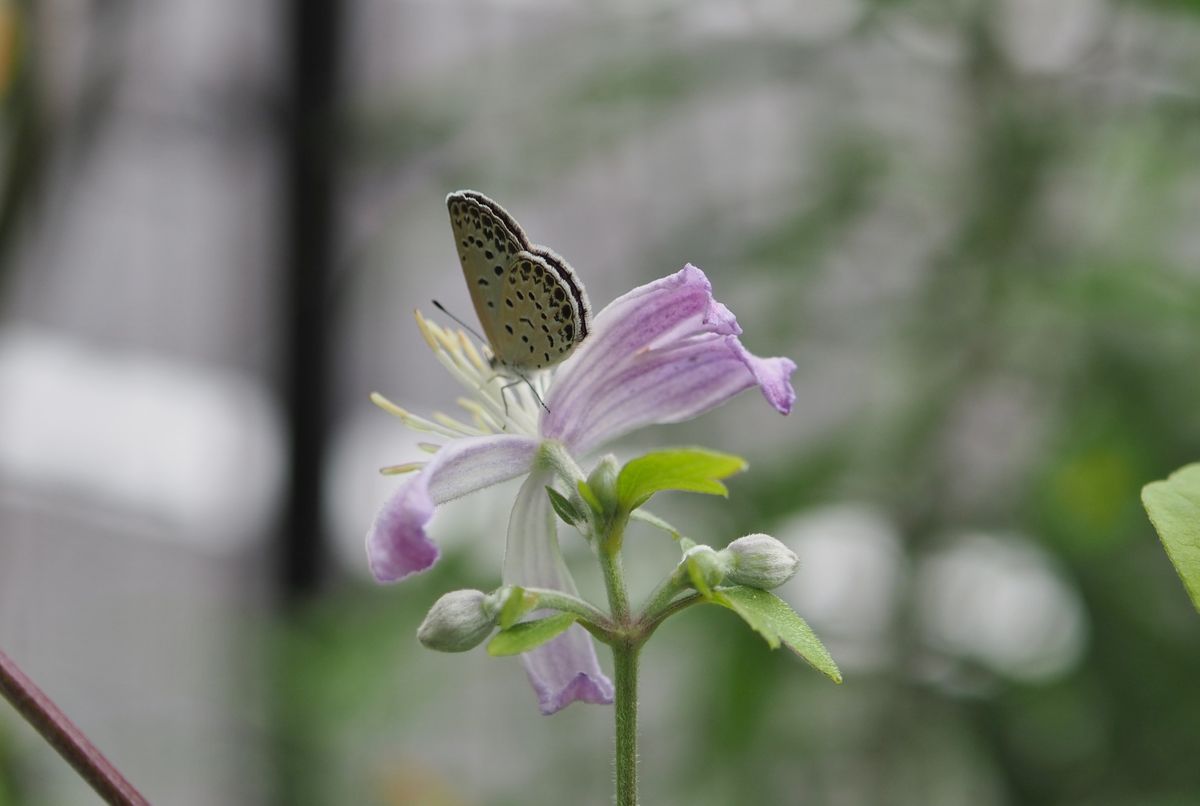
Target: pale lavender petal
[662,353]
[397,544]
[565,669]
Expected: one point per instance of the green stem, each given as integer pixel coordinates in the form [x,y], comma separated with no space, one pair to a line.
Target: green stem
[610,562]
[625,668]
[661,597]
[565,602]
[626,645]
[650,621]
[614,583]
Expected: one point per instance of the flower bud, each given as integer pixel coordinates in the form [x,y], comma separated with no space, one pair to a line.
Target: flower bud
[458,621]
[603,482]
[711,565]
[760,561]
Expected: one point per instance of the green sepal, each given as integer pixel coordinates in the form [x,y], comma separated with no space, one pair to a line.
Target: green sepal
[1174,508]
[774,620]
[657,522]
[564,508]
[585,492]
[518,603]
[529,634]
[696,575]
[687,469]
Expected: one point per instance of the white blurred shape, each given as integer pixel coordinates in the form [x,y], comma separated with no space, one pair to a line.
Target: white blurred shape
[850,575]
[813,21]
[197,447]
[1048,35]
[999,601]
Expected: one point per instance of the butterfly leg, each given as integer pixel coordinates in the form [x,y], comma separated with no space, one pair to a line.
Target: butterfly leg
[521,379]
[504,398]
[534,390]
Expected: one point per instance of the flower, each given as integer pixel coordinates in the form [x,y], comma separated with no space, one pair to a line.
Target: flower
[662,353]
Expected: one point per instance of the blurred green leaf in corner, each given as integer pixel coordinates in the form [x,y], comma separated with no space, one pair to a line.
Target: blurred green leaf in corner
[1174,508]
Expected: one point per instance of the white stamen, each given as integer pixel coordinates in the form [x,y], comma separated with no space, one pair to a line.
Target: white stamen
[498,403]
[418,423]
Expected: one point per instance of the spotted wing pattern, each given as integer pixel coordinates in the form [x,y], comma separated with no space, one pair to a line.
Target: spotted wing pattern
[540,320]
[533,308]
[486,239]
[574,288]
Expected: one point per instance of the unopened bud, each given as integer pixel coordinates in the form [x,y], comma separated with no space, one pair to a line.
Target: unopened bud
[760,561]
[603,482]
[458,621]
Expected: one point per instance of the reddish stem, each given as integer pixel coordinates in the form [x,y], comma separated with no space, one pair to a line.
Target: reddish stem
[63,736]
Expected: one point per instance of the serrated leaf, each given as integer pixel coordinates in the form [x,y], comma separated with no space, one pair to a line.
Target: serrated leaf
[563,507]
[655,521]
[774,620]
[590,498]
[529,635]
[690,470]
[1174,508]
[518,603]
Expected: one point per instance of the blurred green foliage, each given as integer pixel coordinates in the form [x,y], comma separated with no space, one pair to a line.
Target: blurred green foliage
[1053,266]
[1037,246]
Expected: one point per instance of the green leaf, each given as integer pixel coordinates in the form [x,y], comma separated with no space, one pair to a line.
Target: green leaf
[518,603]
[563,507]
[529,635]
[774,620]
[1174,509]
[590,497]
[655,521]
[689,469]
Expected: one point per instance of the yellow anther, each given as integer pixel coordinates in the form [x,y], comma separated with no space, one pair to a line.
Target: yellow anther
[396,470]
[426,328]
[390,407]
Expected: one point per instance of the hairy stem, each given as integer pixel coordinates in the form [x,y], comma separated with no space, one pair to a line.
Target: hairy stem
[662,596]
[609,547]
[614,583]
[626,645]
[625,668]
[565,602]
[650,621]
[62,734]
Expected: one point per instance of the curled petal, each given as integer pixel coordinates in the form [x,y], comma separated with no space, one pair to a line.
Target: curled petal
[565,669]
[397,544]
[662,353]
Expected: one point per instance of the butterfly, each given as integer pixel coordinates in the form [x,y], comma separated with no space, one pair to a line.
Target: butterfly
[533,309]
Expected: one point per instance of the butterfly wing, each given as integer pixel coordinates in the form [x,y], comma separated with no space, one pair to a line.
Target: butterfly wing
[487,240]
[575,289]
[542,315]
[532,307]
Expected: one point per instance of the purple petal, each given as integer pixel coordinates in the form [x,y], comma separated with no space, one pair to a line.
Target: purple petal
[565,669]
[397,544]
[662,353]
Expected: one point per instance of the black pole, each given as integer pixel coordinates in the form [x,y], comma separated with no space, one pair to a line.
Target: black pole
[309,183]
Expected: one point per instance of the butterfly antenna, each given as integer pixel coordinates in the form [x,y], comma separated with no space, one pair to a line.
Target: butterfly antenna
[469,329]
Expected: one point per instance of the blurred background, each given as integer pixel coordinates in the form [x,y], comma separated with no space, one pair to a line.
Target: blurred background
[972,224]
